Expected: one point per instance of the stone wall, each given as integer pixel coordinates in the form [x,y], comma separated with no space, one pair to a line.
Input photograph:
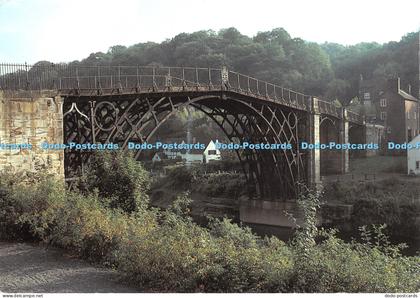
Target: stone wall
[31,121]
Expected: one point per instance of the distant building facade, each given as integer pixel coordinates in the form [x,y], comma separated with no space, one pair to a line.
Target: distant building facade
[207,155]
[385,103]
[211,152]
[413,157]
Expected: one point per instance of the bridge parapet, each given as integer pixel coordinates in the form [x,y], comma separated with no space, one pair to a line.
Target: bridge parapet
[329,108]
[79,80]
[355,118]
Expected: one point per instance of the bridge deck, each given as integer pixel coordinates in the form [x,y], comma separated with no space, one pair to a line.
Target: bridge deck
[88,81]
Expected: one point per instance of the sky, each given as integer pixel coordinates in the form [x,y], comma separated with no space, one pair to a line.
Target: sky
[67,30]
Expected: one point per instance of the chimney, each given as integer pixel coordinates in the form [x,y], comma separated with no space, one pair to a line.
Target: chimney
[409,89]
[394,84]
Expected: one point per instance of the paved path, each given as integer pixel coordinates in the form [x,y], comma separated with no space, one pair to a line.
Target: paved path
[28,268]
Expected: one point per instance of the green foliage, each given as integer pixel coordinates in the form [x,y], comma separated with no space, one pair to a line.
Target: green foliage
[119,178]
[309,203]
[374,61]
[180,206]
[241,237]
[335,266]
[167,252]
[330,69]
[28,211]
[183,177]
[391,201]
[221,184]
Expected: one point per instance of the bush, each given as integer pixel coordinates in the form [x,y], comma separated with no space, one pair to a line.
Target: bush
[221,184]
[336,266]
[182,177]
[119,178]
[390,201]
[166,251]
[27,211]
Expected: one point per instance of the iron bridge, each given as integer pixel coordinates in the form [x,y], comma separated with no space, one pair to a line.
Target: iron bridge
[121,104]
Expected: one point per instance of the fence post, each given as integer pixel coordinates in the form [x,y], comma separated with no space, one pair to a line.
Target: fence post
[197,83]
[266,90]
[138,79]
[154,79]
[27,76]
[210,82]
[225,78]
[77,79]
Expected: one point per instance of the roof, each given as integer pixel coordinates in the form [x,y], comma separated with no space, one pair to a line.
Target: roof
[161,155]
[406,95]
[416,139]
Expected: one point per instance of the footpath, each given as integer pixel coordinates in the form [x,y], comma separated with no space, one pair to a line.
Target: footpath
[30,268]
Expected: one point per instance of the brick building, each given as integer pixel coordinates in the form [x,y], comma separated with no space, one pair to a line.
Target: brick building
[385,103]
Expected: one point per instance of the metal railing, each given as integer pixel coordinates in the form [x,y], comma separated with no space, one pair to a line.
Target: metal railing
[354,117]
[329,108]
[74,79]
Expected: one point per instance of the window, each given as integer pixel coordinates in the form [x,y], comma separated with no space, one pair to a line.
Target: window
[417,165]
[383,102]
[408,115]
[383,115]
[212,152]
[366,95]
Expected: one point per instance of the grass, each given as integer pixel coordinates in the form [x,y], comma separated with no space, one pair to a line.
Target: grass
[379,164]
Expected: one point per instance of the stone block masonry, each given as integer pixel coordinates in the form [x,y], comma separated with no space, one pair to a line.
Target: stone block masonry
[25,120]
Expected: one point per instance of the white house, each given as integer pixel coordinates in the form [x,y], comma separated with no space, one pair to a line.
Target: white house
[159,156]
[193,156]
[211,152]
[413,157]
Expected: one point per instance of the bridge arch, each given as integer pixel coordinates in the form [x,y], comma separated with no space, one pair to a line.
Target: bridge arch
[137,118]
[330,160]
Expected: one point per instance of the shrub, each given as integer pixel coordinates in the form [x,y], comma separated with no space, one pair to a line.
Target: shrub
[335,266]
[391,201]
[28,210]
[166,251]
[10,211]
[119,178]
[221,184]
[182,177]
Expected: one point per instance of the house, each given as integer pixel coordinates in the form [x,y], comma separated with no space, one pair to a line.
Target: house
[190,156]
[172,154]
[386,104]
[159,156]
[211,152]
[413,157]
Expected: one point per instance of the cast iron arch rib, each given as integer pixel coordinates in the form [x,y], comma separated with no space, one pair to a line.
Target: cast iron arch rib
[120,119]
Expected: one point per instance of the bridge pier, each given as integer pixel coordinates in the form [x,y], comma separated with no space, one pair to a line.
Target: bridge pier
[314,137]
[344,139]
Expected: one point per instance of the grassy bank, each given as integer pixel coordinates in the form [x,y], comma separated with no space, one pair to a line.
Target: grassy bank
[165,251]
